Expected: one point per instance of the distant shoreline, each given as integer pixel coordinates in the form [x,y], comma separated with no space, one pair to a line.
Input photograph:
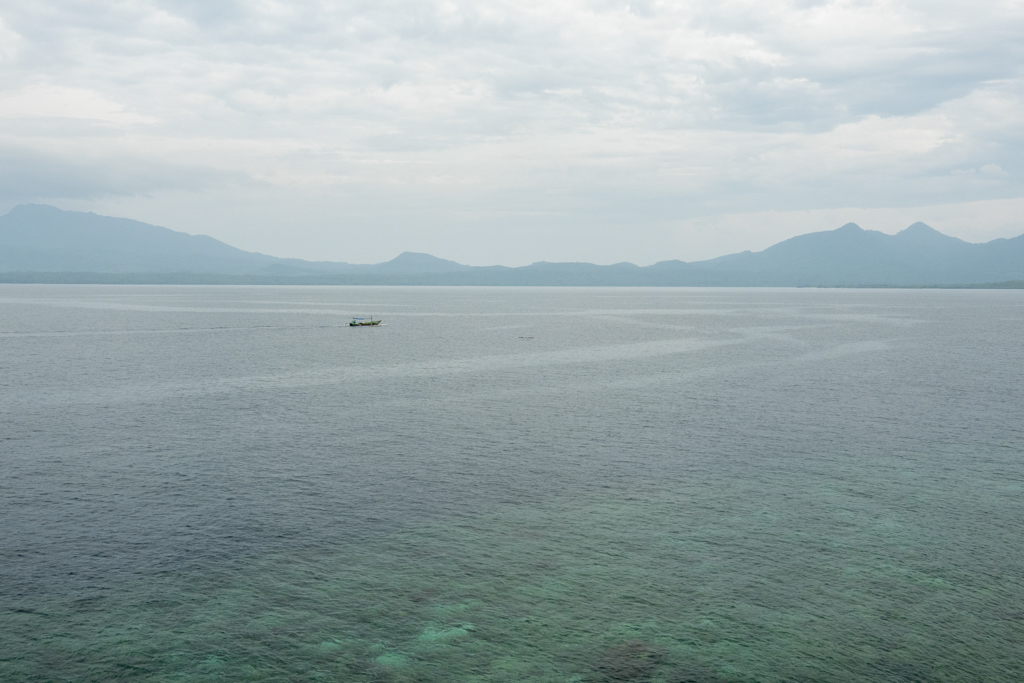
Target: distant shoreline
[401,280]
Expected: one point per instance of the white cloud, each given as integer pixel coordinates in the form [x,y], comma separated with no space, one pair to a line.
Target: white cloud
[44,101]
[10,43]
[430,119]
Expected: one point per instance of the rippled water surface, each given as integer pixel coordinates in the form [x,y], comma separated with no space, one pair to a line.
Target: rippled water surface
[673,485]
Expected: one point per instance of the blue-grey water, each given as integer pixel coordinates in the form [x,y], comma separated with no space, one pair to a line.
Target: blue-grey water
[672,485]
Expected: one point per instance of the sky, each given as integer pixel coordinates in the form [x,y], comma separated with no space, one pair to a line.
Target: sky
[508,132]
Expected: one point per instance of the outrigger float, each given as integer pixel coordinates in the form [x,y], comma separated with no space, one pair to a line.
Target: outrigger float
[363,322]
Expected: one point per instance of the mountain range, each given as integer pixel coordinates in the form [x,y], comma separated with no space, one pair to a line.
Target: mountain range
[44,244]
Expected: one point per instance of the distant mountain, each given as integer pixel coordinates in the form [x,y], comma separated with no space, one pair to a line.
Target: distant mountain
[412,262]
[918,255]
[39,238]
[44,244]
[42,238]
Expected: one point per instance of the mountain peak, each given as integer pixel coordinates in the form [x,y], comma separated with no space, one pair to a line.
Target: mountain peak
[414,255]
[920,228]
[922,232]
[35,209]
[415,262]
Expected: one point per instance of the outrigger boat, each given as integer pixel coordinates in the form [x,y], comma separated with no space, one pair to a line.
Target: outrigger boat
[363,322]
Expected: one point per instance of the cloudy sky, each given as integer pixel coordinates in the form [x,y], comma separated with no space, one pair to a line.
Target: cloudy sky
[511,131]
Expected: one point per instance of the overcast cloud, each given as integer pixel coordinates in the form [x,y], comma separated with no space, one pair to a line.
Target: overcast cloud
[509,132]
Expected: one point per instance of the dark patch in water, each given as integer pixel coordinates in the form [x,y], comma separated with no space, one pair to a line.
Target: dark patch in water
[691,673]
[633,660]
[28,610]
[95,603]
[425,595]
[904,672]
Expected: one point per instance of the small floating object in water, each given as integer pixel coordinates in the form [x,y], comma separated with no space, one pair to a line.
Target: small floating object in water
[364,322]
[526,337]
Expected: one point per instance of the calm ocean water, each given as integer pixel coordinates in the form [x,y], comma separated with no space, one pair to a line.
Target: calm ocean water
[673,485]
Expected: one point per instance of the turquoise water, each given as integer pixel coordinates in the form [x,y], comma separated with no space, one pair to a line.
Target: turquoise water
[219,484]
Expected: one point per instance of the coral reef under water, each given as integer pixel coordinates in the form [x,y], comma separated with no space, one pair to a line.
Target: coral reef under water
[556,594]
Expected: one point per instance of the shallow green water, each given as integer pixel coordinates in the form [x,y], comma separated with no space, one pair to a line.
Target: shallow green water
[626,590]
[828,507]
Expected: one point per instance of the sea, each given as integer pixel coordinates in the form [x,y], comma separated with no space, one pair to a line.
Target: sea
[678,485]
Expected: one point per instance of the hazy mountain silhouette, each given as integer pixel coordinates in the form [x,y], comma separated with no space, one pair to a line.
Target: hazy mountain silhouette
[852,256]
[412,262]
[42,238]
[35,237]
[42,243]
